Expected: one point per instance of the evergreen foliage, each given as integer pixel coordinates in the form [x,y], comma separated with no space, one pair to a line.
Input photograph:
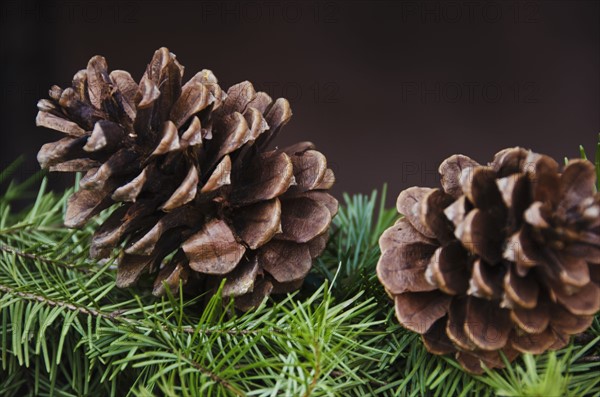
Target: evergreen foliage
[66,330]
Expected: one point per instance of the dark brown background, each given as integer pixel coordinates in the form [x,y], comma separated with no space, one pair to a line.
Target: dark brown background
[386,89]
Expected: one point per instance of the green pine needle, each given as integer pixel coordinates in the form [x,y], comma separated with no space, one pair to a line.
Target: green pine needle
[66,330]
[596,159]
[582,152]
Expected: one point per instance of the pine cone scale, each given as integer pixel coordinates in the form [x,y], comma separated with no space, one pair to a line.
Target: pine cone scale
[52,154]
[182,217]
[271,176]
[276,253]
[410,277]
[106,135]
[534,320]
[214,249]
[584,302]
[425,309]
[577,182]
[241,280]
[436,339]
[130,191]
[84,204]
[256,224]
[486,325]
[194,98]
[303,219]
[49,120]
[566,322]
[521,290]
[533,343]
[238,98]
[408,203]
[448,269]
[75,165]
[451,170]
[98,82]
[431,215]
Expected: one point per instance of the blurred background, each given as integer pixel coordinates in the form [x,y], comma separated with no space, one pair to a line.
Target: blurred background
[386,90]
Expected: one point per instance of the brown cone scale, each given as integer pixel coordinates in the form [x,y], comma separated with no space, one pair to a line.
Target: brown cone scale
[504,258]
[189,167]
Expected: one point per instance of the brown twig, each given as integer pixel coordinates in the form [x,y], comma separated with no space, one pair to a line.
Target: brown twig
[589,359]
[315,378]
[54,303]
[117,315]
[27,255]
[214,377]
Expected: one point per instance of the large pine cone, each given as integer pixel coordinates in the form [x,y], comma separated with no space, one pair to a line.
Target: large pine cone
[506,257]
[190,170]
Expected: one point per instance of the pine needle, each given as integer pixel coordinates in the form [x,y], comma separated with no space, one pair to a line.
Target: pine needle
[66,330]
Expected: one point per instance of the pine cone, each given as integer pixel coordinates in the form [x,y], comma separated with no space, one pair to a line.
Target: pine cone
[504,258]
[189,168]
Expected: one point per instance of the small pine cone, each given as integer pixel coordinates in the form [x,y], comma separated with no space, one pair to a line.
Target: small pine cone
[190,170]
[504,258]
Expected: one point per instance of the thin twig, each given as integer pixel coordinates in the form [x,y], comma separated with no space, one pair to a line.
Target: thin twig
[315,379]
[214,377]
[117,315]
[27,255]
[589,359]
[67,305]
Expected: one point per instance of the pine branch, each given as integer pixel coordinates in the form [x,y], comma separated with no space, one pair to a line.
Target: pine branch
[65,329]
